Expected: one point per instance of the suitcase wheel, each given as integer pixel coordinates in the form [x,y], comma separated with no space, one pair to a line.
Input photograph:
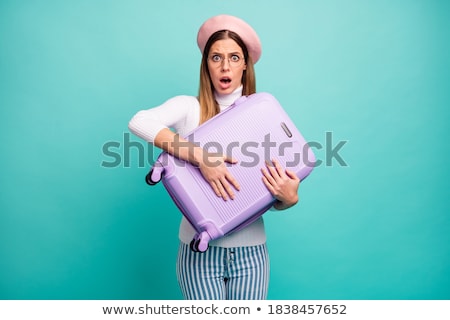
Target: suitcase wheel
[193,245]
[200,242]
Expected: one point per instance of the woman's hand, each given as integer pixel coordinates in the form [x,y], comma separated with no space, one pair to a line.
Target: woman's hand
[212,166]
[214,170]
[283,184]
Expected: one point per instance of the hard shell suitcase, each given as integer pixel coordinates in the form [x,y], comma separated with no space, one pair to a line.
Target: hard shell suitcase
[254,129]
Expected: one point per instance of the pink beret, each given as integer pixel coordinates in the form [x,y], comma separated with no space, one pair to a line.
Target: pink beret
[226,22]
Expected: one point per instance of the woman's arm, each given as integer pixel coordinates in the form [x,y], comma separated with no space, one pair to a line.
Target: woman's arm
[153,125]
[283,184]
[211,166]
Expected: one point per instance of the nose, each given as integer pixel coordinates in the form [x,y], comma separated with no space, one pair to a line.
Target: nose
[225,64]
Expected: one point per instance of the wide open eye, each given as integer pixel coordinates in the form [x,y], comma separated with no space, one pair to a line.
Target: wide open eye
[235,58]
[216,58]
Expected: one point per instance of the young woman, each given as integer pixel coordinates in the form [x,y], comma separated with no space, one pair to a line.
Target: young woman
[235,266]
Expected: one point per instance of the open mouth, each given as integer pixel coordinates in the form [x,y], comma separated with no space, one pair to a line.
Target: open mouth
[225,80]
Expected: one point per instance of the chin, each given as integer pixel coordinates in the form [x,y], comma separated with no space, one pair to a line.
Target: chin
[226,91]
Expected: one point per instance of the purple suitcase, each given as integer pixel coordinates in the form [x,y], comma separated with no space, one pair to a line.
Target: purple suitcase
[254,129]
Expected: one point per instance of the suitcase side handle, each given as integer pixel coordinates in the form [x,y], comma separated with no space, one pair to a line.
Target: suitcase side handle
[155,174]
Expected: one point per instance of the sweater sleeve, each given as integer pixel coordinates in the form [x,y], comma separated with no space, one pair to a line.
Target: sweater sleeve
[178,113]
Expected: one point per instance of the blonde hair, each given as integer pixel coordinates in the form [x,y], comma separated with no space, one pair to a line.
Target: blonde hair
[208,104]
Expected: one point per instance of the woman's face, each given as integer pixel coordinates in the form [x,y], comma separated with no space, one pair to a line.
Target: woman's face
[226,65]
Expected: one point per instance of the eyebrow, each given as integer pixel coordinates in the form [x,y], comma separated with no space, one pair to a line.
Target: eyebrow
[231,53]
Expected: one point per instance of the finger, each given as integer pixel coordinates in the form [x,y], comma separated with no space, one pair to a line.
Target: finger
[291,174]
[222,192]
[268,185]
[230,159]
[233,181]
[214,187]
[226,186]
[268,176]
[279,168]
[272,170]
[268,163]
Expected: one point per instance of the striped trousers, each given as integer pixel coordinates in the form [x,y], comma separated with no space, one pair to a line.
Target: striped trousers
[240,273]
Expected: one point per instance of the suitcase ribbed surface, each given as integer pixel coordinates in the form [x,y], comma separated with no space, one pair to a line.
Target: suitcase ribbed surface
[252,187]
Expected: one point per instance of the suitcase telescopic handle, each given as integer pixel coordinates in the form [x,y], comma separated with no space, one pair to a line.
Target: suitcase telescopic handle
[155,175]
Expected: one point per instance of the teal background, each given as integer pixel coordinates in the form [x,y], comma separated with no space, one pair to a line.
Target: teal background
[374,73]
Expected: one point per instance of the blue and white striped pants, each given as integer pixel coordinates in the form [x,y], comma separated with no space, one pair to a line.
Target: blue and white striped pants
[240,273]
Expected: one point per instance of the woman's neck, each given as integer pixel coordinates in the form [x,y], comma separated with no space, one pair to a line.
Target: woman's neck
[226,100]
